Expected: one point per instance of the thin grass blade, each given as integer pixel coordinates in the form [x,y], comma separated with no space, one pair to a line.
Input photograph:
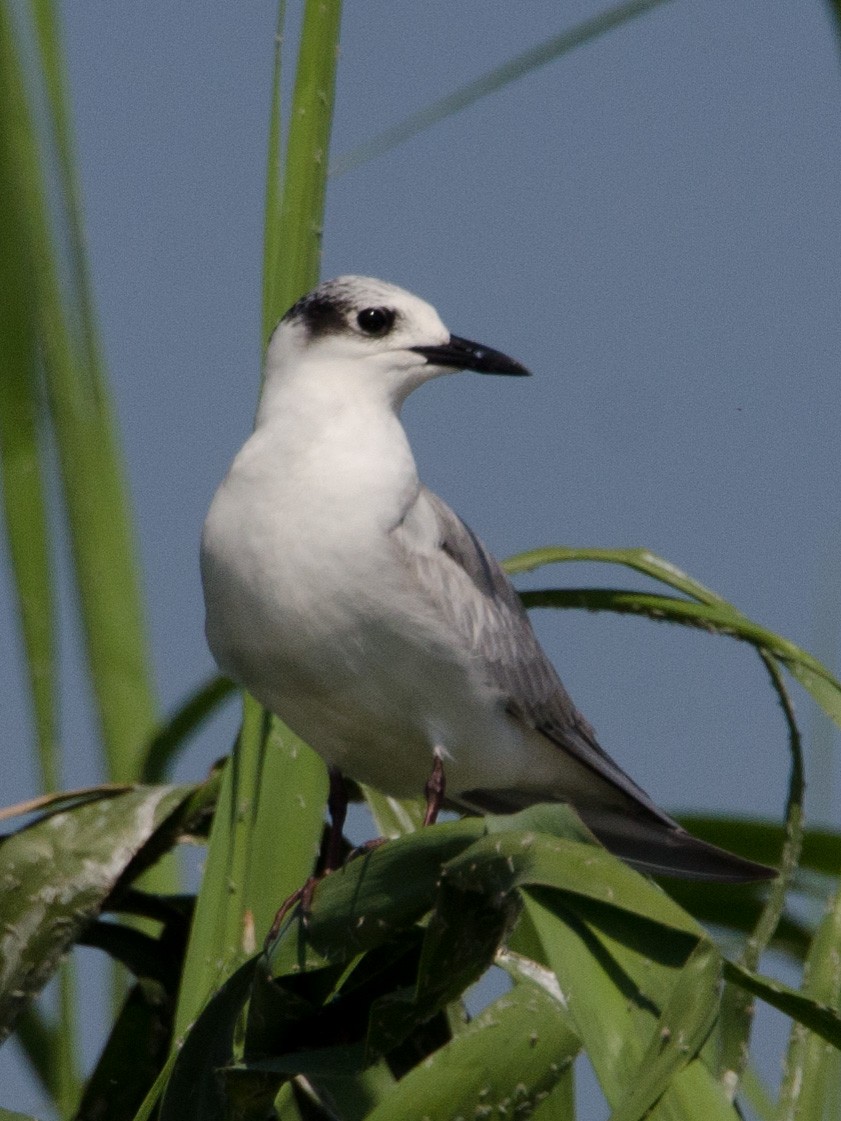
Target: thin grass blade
[81,417]
[821,1018]
[263,840]
[710,612]
[172,736]
[491,82]
[23,473]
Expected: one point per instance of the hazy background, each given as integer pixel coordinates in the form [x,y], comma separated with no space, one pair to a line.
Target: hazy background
[651,224]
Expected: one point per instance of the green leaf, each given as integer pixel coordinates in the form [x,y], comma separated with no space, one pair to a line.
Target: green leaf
[394,885]
[685,1022]
[512,856]
[503,1064]
[252,866]
[810,1090]
[57,873]
[134,1054]
[23,486]
[371,898]
[80,414]
[617,977]
[194,1093]
[460,943]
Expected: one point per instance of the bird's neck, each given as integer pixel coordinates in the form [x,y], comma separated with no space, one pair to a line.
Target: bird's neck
[342,453]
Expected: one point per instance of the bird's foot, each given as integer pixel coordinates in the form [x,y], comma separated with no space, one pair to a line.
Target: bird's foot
[337,803]
[435,788]
[302,896]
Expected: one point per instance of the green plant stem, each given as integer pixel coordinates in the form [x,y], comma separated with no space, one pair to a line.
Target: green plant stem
[736,1003]
[490,82]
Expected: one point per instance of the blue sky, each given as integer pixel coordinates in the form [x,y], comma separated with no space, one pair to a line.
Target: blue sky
[650,224]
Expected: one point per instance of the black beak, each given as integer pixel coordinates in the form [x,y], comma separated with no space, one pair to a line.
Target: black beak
[465,355]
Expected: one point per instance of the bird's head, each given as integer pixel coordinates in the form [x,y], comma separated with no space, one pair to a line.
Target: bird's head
[364,336]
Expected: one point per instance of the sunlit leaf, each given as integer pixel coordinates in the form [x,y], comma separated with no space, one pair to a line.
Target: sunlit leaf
[617,979]
[56,874]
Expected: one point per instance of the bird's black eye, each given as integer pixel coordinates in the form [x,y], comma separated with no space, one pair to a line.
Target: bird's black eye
[376,321]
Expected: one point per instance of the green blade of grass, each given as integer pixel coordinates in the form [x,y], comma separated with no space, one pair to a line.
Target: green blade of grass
[466,1078]
[23,487]
[815,1014]
[685,1022]
[172,736]
[718,618]
[300,216]
[490,82]
[264,837]
[79,411]
[737,1007]
[641,560]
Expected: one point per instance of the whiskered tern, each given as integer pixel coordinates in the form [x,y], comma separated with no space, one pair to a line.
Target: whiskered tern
[353,603]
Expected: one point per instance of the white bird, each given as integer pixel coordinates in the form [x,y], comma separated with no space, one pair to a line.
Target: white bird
[353,603]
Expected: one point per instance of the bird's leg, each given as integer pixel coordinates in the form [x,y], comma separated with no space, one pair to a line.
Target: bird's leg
[337,802]
[435,786]
[337,808]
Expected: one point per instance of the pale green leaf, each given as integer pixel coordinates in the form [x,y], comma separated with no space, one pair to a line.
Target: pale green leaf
[503,1064]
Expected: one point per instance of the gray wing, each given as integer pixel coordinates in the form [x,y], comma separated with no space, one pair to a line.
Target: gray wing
[488,615]
[473,595]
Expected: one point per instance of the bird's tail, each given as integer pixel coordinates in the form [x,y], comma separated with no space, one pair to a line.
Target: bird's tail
[664,848]
[648,840]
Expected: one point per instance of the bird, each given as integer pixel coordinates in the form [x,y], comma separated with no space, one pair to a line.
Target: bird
[353,603]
